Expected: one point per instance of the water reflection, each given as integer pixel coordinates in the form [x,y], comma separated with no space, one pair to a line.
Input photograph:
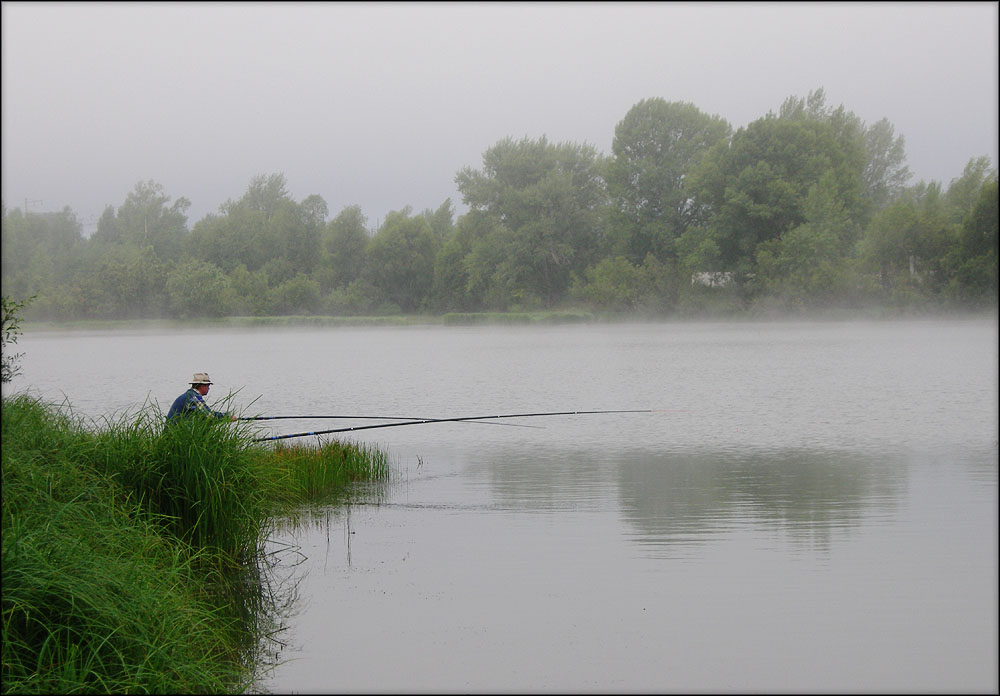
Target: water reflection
[809,495]
[673,499]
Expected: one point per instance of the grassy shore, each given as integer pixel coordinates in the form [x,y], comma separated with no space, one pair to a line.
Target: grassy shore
[720,312]
[319,321]
[132,554]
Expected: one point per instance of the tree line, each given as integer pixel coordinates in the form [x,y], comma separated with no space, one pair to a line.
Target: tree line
[806,209]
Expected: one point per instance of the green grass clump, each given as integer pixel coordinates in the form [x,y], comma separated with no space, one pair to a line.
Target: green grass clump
[132,554]
[303,474]
[94,597]
[200,478]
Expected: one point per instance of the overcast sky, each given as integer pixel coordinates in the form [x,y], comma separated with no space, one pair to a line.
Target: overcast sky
[380,105]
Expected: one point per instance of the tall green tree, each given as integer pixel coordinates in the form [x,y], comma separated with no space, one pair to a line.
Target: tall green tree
[906,244]
[197,289]
[492,265]
[400,259]
[974,258]
[304,232]
[146,218]
[806,266]
[756,185]
[263,224]
[547,206]
[964,191]
[247,292]
[297,295]
[442,220]
[124,283]
[40,251]
[655,147]
[886,173]
[345,240]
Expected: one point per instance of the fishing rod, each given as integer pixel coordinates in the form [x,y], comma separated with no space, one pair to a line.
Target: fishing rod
[403,418]
[443,420]
[398,418]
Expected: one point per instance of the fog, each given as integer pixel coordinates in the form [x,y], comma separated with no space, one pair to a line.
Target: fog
[380,104]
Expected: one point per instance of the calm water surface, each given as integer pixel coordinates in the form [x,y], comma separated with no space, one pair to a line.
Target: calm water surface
[812,507]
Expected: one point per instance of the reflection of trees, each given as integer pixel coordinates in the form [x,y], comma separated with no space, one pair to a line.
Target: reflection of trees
[676,498]
[807,493]
[535,479]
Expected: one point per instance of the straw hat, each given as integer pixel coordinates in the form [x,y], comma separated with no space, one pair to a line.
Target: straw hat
[200,378]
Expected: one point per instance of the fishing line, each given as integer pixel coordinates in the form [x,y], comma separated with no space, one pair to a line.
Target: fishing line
[443,420]
[398,418]
[403,418]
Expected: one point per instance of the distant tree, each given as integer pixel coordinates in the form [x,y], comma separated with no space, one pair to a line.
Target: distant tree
[40,252]
[266,194]
[197,289]
[449,290]
[248,292]
[756,185]
[654,149]
[108,230]
[314,211]
[811,107]
[807,266]
[490,265]
[442,220]
[905,244]
[886,173]
[297,295]
[263,226]
[345,241]
[277,270]
[698,250]
[974,258]
[241,233]
[613,284]
[146,220]
[400,259]
[964,192]
[124,283]
[547,207]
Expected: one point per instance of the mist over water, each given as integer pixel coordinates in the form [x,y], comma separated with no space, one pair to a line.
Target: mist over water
[812,506]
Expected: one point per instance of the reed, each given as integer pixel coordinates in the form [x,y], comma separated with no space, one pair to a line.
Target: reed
[302,474]
[132,552]
[95,598]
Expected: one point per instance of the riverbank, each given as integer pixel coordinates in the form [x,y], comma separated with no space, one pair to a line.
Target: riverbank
[320,321]
[538,318]
[132,555]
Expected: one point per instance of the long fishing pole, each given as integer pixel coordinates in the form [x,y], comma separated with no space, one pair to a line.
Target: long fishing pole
[404,418]
[397,418]
[443,420]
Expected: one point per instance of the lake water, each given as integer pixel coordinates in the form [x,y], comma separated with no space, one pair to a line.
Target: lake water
[811,507]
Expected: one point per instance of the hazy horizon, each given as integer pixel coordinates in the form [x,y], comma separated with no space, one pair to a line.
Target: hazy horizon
[381,104]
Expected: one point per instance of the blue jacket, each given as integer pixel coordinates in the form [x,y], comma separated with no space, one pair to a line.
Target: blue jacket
[191,402]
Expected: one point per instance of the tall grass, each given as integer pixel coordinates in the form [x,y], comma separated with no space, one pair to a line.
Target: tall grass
[94,597]
[132,553]
[302,474]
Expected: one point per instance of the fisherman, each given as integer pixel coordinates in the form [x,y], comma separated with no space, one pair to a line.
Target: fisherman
[193,400]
